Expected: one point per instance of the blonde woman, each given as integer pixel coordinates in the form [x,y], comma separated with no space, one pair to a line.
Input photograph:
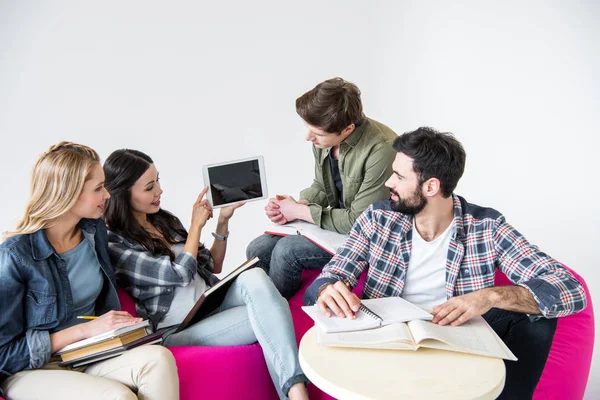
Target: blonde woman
[54,267]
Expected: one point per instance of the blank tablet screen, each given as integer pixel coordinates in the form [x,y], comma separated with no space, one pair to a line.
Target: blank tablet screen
[235,182]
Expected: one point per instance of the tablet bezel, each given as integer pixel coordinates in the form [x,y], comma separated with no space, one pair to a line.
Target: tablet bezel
[263,180]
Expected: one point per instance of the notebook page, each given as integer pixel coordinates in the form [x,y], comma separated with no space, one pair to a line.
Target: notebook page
[395,309]
[337,324]
[475,336]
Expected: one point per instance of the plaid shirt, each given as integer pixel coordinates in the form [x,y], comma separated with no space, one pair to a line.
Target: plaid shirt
[151,279]
[483,241]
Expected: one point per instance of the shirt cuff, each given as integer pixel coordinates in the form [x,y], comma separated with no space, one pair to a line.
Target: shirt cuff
[310,296]
[316,211]
[546,296]
[39,348]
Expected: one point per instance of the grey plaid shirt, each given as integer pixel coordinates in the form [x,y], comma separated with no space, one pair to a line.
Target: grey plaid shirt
[151,279]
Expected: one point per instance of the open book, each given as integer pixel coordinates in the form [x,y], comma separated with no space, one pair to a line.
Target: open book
[327,240]
[214,296]
[474,337]
[373,313]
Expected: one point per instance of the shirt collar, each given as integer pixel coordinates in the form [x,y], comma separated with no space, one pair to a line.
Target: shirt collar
[458,219]
[351,140]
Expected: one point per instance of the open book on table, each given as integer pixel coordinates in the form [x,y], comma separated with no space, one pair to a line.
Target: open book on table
[474,337]
[214,296]
[327,240]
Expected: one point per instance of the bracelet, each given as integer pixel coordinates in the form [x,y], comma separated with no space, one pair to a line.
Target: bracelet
[220,237]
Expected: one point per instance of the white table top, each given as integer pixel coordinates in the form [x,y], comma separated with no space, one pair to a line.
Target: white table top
[350,373]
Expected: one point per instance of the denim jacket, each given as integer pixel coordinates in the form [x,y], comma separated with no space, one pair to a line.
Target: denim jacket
[35,295]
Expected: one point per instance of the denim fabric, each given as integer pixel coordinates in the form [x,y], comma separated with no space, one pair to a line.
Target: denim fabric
[252,310]
[285,257]
[35,295]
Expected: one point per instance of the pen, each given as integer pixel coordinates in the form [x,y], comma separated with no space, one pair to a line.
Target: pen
[348,286]
[87,317]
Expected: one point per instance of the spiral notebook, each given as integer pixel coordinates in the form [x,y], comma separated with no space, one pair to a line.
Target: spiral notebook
[373,313]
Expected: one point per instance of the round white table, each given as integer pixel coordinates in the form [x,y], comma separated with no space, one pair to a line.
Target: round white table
[350,373]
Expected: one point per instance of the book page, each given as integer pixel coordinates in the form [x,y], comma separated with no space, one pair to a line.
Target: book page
[395,309]
[394,336]
[475,336]
[337,324]
[327,240]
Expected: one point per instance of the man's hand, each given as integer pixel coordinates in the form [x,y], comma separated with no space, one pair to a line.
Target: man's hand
[339,299]
[460,309]
[291,209]
[272,211]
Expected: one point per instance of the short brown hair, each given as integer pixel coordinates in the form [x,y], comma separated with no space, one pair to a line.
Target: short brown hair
[331,106]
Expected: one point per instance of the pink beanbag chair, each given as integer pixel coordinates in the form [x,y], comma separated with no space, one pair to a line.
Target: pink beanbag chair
[567,368]
[219,372]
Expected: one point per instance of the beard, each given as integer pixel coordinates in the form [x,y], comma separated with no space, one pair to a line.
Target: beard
[410,206]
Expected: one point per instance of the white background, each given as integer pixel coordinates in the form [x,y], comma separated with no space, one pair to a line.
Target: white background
[192,83]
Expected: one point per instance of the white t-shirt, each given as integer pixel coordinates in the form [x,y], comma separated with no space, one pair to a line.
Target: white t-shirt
[184,297]
[425,283]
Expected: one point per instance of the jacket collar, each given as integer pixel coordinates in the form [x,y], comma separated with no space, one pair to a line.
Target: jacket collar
[351,140]
[41,248]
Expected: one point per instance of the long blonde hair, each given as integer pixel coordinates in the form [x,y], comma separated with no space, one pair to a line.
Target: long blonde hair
[56,183]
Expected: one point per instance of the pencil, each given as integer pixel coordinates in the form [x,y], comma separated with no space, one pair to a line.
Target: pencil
[87,317]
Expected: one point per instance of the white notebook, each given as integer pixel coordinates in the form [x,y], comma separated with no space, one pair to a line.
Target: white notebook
[372,314]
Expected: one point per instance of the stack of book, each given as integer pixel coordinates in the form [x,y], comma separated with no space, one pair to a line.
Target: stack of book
[107,345]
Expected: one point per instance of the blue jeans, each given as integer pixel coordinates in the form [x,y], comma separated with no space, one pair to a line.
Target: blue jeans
[252,310]
[285,257]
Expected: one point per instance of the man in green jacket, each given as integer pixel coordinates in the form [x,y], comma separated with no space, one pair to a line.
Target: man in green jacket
[353,157]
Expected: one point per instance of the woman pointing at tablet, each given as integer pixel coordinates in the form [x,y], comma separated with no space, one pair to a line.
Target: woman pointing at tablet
[166,269]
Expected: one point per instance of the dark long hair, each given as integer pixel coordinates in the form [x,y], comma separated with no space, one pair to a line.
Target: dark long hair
[122,169]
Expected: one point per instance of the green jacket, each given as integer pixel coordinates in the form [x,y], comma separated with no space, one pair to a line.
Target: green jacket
[365,163]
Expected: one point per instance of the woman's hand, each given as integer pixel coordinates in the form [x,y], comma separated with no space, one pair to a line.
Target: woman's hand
[227,212]
[202,211]
[109,321]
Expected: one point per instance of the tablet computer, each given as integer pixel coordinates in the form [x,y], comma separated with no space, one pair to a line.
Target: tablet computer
[235,181]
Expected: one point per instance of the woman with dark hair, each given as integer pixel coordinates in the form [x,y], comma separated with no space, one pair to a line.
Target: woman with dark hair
[166,269]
